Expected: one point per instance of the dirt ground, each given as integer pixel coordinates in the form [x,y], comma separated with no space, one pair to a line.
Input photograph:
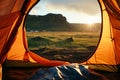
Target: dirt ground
[70,55]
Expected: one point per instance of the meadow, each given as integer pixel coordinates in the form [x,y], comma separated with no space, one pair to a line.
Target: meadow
[68,46]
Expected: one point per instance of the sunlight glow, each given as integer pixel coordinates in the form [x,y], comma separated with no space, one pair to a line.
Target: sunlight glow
[83,18]
[91,20]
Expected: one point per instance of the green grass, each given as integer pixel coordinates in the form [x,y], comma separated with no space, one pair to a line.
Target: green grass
[72,40]
[65,46]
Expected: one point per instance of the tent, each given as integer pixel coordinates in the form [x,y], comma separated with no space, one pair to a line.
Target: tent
[107,54]
[13,43]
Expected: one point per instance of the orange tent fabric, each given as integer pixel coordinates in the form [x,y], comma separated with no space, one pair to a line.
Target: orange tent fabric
[13,39]
[108,50]
[13,43]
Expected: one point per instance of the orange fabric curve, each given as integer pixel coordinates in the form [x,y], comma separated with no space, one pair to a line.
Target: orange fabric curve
[46,62]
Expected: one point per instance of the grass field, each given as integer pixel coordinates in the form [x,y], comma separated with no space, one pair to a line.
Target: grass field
[63,45]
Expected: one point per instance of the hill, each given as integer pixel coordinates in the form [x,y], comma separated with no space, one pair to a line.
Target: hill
[54,22]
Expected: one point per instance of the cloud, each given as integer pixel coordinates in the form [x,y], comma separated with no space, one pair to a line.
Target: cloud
[73,10]
[90,7]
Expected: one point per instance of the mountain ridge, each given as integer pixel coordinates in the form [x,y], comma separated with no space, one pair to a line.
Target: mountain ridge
[54,22]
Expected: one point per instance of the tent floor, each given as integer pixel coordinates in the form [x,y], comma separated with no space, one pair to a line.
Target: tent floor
[18,73]
[26,73]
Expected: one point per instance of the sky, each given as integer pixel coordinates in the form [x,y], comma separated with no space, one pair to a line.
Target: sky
[76,11]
